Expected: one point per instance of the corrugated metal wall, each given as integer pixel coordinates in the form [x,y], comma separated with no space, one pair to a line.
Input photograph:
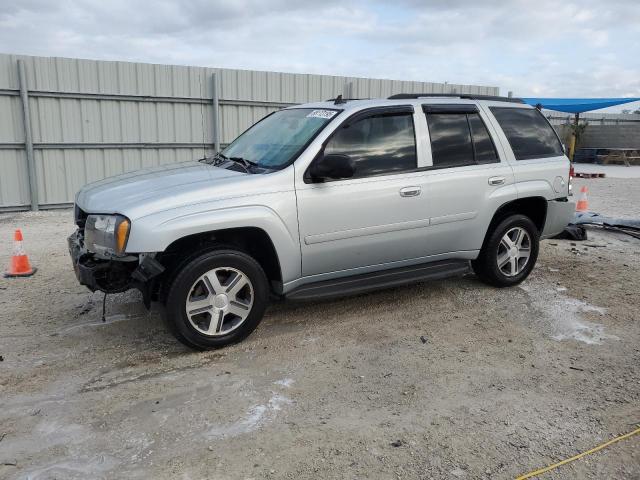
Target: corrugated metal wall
[92,119]
[593,118]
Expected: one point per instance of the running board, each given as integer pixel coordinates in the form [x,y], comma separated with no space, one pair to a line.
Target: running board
[367,282]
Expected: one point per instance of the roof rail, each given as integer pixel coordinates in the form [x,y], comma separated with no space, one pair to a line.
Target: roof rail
[344,100]
[469,96]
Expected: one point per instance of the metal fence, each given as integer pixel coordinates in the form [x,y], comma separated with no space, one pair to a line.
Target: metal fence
[66,122]
[622,136]
[604,130]
[593,118]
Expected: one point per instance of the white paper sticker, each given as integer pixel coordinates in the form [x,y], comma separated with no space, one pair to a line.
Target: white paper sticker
[322,114]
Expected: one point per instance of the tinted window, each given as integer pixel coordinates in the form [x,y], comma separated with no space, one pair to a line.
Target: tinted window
[450,139]
[484,150]
[378,144]
[528,132]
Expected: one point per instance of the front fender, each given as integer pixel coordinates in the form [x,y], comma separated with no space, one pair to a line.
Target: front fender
[154,233]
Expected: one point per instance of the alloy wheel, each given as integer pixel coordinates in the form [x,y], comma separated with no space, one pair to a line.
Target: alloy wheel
[219,301]
[514,251]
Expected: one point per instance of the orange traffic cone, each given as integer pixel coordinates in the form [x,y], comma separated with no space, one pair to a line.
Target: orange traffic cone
[20,266]
[582,205]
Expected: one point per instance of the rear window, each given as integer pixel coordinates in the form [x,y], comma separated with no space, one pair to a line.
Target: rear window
[528,132]
[459,139]
[483,147]
[450,139]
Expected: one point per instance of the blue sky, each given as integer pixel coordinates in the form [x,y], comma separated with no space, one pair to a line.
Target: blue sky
[541,48]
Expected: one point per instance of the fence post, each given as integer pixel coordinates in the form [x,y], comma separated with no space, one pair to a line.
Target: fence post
[28,138]
[216,113]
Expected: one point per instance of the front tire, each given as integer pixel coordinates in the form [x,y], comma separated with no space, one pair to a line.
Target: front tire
[216,299]
[509,253]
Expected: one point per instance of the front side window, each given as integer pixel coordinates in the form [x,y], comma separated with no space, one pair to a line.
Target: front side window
[528,132]
[459,139]
[378,144]
[275,141]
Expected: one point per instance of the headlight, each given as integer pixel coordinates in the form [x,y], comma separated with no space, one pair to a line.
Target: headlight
[106,234]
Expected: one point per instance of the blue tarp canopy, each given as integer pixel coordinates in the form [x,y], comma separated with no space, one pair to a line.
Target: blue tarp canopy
[577,105]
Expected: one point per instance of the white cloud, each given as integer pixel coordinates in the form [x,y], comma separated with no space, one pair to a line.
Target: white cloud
[542,48]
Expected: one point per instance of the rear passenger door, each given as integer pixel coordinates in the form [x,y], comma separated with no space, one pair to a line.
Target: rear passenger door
[469,178]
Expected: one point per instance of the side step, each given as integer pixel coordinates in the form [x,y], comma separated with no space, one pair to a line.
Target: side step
[367,282]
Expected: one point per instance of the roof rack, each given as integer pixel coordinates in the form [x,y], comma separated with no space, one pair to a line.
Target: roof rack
[344,100]
[408,96]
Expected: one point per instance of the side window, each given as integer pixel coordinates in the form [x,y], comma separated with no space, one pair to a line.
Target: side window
[450,139]
[379,144]
[483,147]
[459,139]
[528,132]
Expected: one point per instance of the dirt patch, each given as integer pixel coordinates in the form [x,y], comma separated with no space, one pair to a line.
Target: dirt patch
[448,379]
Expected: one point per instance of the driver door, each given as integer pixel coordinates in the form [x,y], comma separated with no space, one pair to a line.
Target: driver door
[379,215]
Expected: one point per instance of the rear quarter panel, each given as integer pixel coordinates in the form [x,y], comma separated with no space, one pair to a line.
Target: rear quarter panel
[540,177]
[545,177]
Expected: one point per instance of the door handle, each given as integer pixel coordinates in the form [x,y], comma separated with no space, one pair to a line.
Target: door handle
[410,191]
[496,180]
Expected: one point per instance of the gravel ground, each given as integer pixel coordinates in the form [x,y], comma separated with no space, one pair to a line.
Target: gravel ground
[449,379]
[613,197]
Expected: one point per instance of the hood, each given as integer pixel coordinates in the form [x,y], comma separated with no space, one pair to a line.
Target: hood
[149,190]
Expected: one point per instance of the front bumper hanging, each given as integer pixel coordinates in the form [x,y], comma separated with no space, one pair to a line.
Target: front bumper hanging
[110,276]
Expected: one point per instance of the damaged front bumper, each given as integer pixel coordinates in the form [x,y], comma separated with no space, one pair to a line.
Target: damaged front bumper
[112,275]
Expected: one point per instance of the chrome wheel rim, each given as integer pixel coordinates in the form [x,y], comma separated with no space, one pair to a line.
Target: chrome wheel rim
[219,301]
[514,251]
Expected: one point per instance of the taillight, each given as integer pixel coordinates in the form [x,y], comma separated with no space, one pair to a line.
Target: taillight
[572,173]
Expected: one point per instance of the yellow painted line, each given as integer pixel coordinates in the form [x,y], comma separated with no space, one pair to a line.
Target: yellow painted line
[576,457]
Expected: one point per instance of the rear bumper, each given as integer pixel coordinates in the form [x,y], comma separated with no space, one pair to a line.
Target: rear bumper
[559,214]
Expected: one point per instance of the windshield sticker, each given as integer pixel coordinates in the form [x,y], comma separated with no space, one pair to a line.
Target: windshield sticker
[322,114]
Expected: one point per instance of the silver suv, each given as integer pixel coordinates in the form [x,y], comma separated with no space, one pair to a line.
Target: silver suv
[328,199]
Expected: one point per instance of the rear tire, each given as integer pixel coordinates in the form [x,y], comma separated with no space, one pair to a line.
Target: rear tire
[216,299]
[509,252]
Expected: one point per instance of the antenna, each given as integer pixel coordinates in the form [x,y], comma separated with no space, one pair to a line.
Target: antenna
[339,100]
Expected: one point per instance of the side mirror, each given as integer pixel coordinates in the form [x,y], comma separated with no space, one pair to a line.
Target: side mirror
[334,166]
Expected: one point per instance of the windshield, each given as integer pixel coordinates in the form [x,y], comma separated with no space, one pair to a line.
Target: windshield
[275,141]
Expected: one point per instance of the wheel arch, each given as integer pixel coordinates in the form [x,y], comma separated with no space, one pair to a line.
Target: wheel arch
[534,207]
[252,240]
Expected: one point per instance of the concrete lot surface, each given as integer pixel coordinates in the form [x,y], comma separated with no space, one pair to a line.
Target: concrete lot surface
[611,171]
[503,381]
